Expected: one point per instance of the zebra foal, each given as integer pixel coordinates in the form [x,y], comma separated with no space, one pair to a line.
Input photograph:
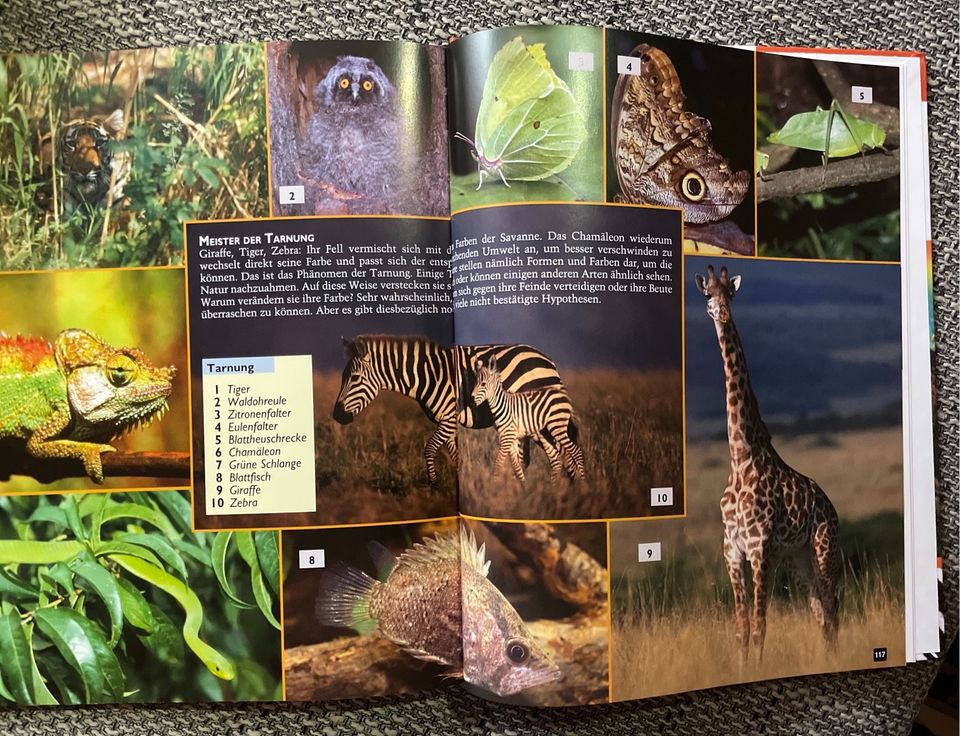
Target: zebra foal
[543,414]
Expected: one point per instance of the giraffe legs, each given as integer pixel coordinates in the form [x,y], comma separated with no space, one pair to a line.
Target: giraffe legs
[761,568]
[826,565]
[734,559]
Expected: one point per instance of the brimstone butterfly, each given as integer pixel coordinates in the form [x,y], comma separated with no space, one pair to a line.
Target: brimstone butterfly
[528,125]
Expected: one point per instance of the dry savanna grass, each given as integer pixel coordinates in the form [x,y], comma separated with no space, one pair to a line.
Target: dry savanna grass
[373,469]
[697,648]
[631,433]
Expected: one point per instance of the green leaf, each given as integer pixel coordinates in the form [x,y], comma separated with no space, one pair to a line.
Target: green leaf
[136,609]
[262,595]
[115,511]
[84,647]
[165,641]
[218,554]
[64,678]
[178,509]
[96,522]
[49,514]
[269,557]
[125,548]
[102,583]
[15,659]
[194,551]
[163,549]
[247,549]
[69,506]
[12,587]
[43,694]
[59,574]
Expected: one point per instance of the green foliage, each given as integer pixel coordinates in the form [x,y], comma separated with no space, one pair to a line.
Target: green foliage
[112,597]
[196,135]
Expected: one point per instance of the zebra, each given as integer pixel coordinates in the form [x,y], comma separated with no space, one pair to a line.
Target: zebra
[543,414]
[438,378]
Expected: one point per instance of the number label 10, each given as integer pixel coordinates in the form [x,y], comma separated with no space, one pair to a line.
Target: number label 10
[311,558]
[661,496]
[649,551]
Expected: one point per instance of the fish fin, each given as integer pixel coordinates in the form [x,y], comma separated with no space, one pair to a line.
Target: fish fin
[425,656]
[383,558]
[470,554]
[443,546]
[344,599]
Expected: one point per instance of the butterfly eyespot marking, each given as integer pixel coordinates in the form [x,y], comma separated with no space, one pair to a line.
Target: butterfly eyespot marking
[644,58]
[517,652]
[344,83]
[654,80]
[693,186]
[367,85]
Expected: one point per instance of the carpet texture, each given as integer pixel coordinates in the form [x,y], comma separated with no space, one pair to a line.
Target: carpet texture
[874,702]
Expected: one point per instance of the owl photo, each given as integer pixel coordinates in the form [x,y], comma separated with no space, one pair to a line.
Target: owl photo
[359,125]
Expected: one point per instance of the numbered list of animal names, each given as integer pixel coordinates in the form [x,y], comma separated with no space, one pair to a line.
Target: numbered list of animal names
[258,435]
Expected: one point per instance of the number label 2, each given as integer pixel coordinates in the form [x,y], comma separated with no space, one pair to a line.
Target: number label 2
[292,194]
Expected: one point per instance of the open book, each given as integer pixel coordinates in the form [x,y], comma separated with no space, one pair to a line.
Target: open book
[581,365]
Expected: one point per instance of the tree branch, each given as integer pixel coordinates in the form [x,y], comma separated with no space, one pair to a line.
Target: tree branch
[115,464]
[845,173]
[885,116]
[567,571]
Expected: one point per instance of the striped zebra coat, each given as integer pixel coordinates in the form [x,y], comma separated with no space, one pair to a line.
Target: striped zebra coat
[542,414]
[439,378]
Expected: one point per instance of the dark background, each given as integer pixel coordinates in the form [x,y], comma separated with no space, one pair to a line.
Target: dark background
[718,85]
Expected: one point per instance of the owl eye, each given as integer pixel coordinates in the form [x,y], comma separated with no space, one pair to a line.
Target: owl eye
[344,82]
[367,85]
[693,186]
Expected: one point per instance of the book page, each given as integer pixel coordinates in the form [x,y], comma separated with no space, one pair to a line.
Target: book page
[201,249]
[715,425]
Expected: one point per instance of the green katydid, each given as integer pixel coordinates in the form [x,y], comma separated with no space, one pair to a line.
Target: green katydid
[815,131]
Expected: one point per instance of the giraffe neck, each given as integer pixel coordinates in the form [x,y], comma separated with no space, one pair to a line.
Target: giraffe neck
[746,431]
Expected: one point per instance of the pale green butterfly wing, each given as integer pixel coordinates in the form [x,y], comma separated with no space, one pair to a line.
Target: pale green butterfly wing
[528,124]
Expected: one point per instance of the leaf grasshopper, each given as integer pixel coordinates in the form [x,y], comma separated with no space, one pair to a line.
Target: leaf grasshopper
[815,131]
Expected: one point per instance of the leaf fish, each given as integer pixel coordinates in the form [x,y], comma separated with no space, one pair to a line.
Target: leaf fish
[420,606]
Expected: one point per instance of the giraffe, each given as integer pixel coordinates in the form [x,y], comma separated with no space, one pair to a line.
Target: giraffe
[771,512]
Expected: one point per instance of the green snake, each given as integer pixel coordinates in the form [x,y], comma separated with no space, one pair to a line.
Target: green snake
[216,662]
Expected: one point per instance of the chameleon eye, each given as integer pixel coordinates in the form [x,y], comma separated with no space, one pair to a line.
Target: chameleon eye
[120,370]
[344,82]
[693,186]
[367,85]
[517,652]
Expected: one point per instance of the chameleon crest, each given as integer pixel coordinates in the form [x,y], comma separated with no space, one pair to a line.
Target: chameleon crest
[662,153]
[67,399]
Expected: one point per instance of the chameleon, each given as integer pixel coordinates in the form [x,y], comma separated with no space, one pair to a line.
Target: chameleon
[662,153]
[69,398]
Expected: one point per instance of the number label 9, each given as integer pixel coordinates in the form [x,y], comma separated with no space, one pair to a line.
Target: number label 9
[649,551]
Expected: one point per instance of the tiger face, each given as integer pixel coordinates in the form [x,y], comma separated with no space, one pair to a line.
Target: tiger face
[86,161]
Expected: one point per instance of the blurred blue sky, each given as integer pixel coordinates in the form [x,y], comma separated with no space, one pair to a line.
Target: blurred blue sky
[819,337]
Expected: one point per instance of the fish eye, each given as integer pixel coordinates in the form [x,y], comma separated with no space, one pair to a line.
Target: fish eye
[344,82]
[693,186]
[517,651]
[121,370]
[367,85]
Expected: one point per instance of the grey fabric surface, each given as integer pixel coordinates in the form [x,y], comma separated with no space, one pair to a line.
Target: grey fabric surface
[875,702]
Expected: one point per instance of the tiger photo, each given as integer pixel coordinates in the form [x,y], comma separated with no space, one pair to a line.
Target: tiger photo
[82,153]
[103,156]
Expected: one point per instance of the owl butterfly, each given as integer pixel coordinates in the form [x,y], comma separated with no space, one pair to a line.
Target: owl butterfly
[662,153]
